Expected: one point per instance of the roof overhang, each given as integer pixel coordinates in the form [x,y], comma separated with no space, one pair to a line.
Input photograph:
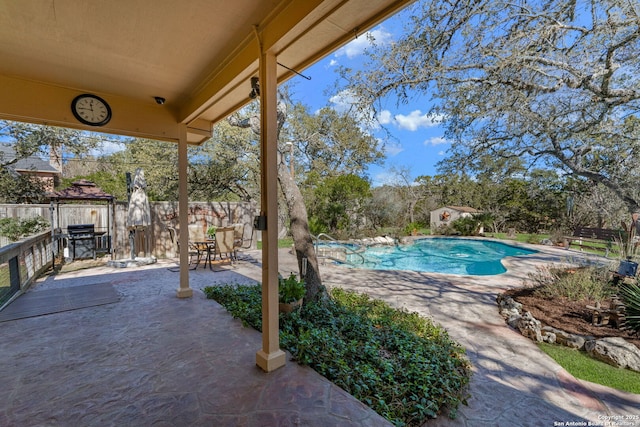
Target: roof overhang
[198,55]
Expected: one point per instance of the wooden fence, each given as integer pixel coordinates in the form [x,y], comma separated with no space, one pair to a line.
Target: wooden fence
[155,240]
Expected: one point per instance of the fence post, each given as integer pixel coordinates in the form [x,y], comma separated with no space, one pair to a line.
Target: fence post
[14,275]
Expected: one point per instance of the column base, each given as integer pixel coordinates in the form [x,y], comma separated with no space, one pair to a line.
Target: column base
[271,362]
[184,293]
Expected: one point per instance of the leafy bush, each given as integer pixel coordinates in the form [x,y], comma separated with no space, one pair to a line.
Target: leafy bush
[557,236]
[408,229]
[316,226]
[578,284]
[400,364]
[290,289]
[243,302]
[466,226]
[446,230]
[630,294]
[16,228]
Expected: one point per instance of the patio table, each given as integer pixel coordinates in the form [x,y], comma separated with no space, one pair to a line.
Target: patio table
[208,246]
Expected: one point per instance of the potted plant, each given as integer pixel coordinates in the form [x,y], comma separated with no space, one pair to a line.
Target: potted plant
[211,232]
[290,293]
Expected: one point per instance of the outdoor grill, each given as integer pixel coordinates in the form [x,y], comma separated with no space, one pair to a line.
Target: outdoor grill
[82,241]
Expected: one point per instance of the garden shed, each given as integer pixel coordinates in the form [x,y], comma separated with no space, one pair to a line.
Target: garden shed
[447,214]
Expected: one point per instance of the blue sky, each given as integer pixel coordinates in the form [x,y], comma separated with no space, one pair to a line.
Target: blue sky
[417,141]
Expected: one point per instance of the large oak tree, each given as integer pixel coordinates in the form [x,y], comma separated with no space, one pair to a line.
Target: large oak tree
[552,83]
[328,144]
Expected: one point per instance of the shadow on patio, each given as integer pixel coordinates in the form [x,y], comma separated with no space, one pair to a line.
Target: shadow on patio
[154,359]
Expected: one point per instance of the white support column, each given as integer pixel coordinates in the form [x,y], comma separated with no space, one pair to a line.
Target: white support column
[183,214]
[270,357]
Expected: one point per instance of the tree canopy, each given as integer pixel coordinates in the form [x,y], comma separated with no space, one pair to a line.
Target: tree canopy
[48,140]
[549,83]
[329,142]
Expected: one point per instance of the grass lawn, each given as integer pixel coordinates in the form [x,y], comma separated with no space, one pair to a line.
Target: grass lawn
[520,237]
[595,248]
[586,368]
[282,243]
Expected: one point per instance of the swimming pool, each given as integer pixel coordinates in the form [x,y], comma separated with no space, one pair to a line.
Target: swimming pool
[440,255]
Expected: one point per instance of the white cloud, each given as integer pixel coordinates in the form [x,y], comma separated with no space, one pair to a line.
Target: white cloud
[384,178]
[415,120]
[342,101]
[393,149]
[333,63]
[357,46]
[442,153]
[384,117]
[107,148]
[437,140]
[412,122]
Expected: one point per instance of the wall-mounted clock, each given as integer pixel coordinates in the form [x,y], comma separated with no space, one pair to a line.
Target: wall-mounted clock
[91,110]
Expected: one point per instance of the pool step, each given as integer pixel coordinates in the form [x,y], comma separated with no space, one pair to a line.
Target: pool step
[336,253]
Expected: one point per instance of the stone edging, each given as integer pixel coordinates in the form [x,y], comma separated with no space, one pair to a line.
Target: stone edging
[615,351]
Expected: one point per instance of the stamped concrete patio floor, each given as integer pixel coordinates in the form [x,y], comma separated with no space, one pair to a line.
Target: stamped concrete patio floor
[154,359]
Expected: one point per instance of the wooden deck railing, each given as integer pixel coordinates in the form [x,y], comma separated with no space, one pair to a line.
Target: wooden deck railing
[22,262]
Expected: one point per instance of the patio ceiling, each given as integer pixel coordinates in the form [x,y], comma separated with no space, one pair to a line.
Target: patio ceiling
[199,55]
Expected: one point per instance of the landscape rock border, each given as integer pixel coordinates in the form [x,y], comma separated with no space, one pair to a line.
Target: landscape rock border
[615,351]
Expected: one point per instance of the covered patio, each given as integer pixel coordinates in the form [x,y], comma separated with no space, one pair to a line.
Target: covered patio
[151,359]
[169,71]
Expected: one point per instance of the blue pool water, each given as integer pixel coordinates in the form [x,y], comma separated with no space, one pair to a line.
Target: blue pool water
[441,255]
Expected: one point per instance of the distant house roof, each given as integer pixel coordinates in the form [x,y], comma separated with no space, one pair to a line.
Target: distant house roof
[81,190]
[463,209]
[30,164]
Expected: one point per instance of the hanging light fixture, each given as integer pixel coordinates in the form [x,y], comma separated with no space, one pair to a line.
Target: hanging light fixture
[255,88]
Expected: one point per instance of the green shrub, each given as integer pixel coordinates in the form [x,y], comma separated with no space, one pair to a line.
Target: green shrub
[316,226]
[445,230]
[578,284]
[290,289]
[243,302]
[630,294]
[466,226]
[400,364]
[16,228]
[409,228]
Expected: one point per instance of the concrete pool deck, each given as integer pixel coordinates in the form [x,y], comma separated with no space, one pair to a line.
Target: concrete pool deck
[514,383]
[152,358]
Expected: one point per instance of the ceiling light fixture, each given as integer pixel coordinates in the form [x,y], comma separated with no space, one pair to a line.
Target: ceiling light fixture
[255,88]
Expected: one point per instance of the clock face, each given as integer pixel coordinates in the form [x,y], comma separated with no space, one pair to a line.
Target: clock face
[91,110]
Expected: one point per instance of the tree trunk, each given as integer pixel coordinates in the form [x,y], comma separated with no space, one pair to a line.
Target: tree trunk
[305,252]
[303,244]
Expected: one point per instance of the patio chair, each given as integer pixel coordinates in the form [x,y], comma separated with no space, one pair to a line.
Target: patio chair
[198,244]
[240,242]
[194,253]
[225,243]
